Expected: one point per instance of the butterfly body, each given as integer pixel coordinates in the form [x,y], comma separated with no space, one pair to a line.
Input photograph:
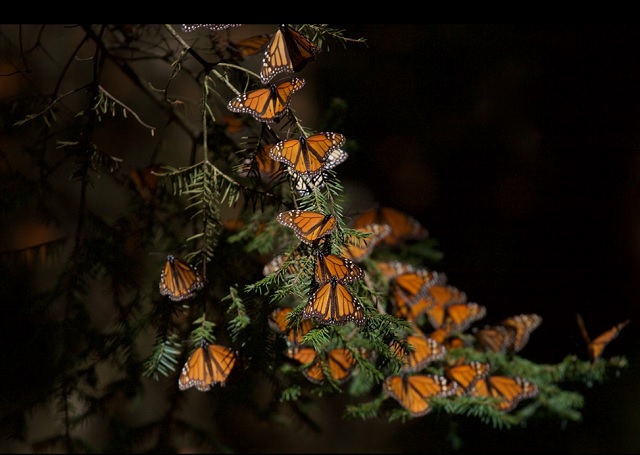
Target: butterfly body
[267,104]
[308,226]
[333,303]
[414,391]
[179,280]
[287,52]
[209,364]
[311,155]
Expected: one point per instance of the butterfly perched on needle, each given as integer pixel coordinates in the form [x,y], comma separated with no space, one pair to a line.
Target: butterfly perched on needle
[338,362]
[403,226]
[425,350]
[208,365]
[334,304]
[309,226]
[415,391]
[467,374]
[288,52]
[358,248]
[597,345]
[179,280]
[268,104]
[508,390]
[310,155]
[523,325]
[328,266]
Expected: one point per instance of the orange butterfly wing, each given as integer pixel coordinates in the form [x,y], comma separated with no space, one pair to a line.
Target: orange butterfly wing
[209,364]
[312,155]
[598,344]
[249,46]
[425,351]
[179,280]
[467,374]
[508,390]
[267,104]
[340,363]
[333,303]
[288,51]
[497,338]
[523,324]
[308,226]
[441,296]
[331,265]
[357,249]
[403,226]
[413,392]
[460,316]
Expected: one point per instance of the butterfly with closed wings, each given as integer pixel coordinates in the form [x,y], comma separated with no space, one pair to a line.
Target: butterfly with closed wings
[288,52]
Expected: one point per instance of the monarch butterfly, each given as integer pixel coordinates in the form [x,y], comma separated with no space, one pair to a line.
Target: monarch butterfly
[467,374]
[330,266]
[260,163]
[278,321]
[414,392]
[357,248]
[267,104]
[339,362]
[249,46]
[310,155]
[597,345]
[496,338]
[425,351]
[215,27]
[523,324]
[403,226]
[441,296]
[333,303]
[508,390]
[460,316]
[308,226]
[411,292]
[448,340]
[208,365]
[288,52]
[290,261]
[179,280]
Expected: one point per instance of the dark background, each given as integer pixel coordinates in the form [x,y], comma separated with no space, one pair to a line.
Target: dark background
[517,146]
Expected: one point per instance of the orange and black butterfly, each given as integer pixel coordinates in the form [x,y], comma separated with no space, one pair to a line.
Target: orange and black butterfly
[288,52]
[449,340]
[496,338]
[278,321]
[267,104]
[403,226]
[339,362]
[330,266]
[411,292]
[440,297]
[291,262]
[508,390]
[209,364]
[467,374]
[179,280]
[414,391]
[260,163]
[597,345]
[308,226]
[310,155]
[425,351]
[247,47]
[357,248]
[523,325]
[333,303]
[460,316]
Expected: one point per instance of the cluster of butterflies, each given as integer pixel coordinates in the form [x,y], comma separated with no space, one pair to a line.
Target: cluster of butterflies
[440,314]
